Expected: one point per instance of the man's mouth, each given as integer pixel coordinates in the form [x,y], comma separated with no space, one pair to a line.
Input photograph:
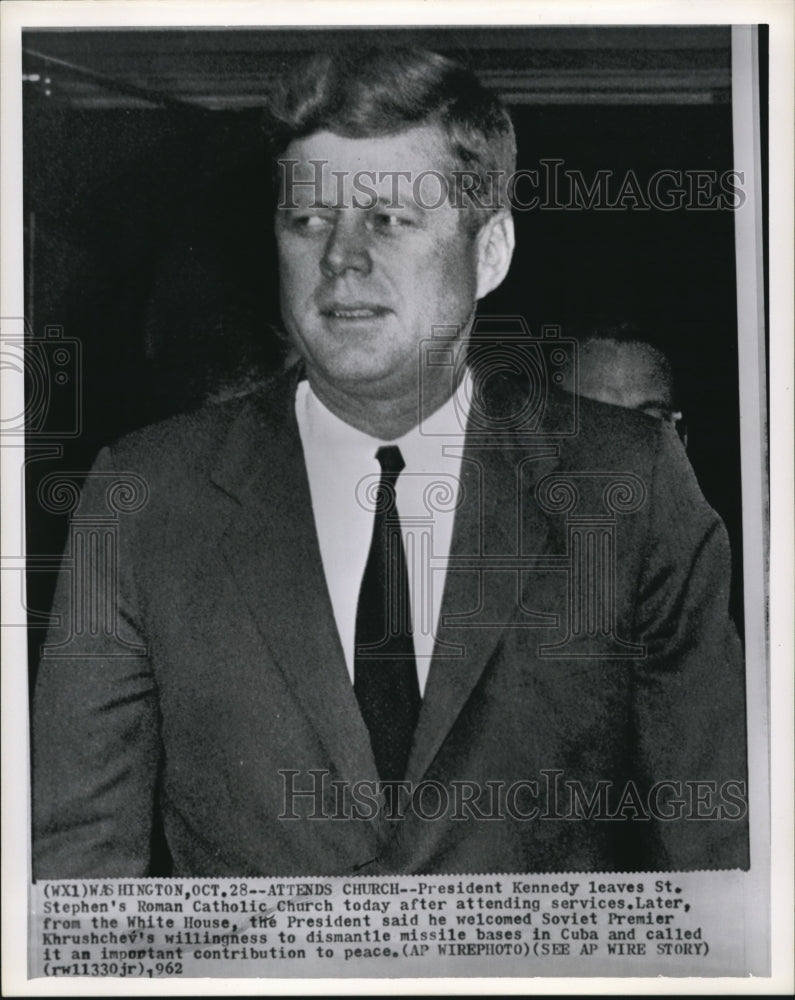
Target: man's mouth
[354,311]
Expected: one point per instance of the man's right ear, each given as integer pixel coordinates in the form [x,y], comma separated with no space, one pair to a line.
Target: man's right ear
[496,241]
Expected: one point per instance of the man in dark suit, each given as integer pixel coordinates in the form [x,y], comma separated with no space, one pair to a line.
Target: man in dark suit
[396,612]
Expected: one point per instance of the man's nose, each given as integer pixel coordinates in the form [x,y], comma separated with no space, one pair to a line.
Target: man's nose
[347,247]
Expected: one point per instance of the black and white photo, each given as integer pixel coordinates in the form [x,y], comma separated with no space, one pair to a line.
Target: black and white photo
[392,465]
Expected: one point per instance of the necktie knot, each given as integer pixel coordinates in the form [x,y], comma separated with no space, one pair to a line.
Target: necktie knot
[390,460]
[392,464]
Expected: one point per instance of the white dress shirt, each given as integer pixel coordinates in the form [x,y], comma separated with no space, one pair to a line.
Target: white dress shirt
[341,465]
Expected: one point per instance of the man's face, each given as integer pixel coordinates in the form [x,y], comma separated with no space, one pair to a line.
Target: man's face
[632,375]
[368,267]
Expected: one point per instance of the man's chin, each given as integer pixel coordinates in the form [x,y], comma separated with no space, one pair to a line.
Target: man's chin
[365,327]
[363,376]
[367,375]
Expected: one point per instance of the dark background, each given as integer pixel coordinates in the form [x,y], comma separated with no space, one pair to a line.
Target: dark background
[148,234]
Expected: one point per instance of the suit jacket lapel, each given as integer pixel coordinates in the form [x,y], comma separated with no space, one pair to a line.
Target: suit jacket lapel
[497,522]
[273,553]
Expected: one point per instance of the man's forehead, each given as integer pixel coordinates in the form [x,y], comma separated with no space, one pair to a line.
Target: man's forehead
[423,147]
[624,373]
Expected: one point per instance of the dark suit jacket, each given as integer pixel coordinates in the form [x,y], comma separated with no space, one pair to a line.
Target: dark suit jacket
[220,578]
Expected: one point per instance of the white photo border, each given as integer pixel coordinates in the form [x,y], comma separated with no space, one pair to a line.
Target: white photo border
[780,15]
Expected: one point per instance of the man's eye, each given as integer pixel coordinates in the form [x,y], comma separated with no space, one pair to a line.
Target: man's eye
[659,412]
[392,220]
[308,221]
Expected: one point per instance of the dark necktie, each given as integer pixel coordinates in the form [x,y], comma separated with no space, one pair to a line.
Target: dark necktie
[385,670]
